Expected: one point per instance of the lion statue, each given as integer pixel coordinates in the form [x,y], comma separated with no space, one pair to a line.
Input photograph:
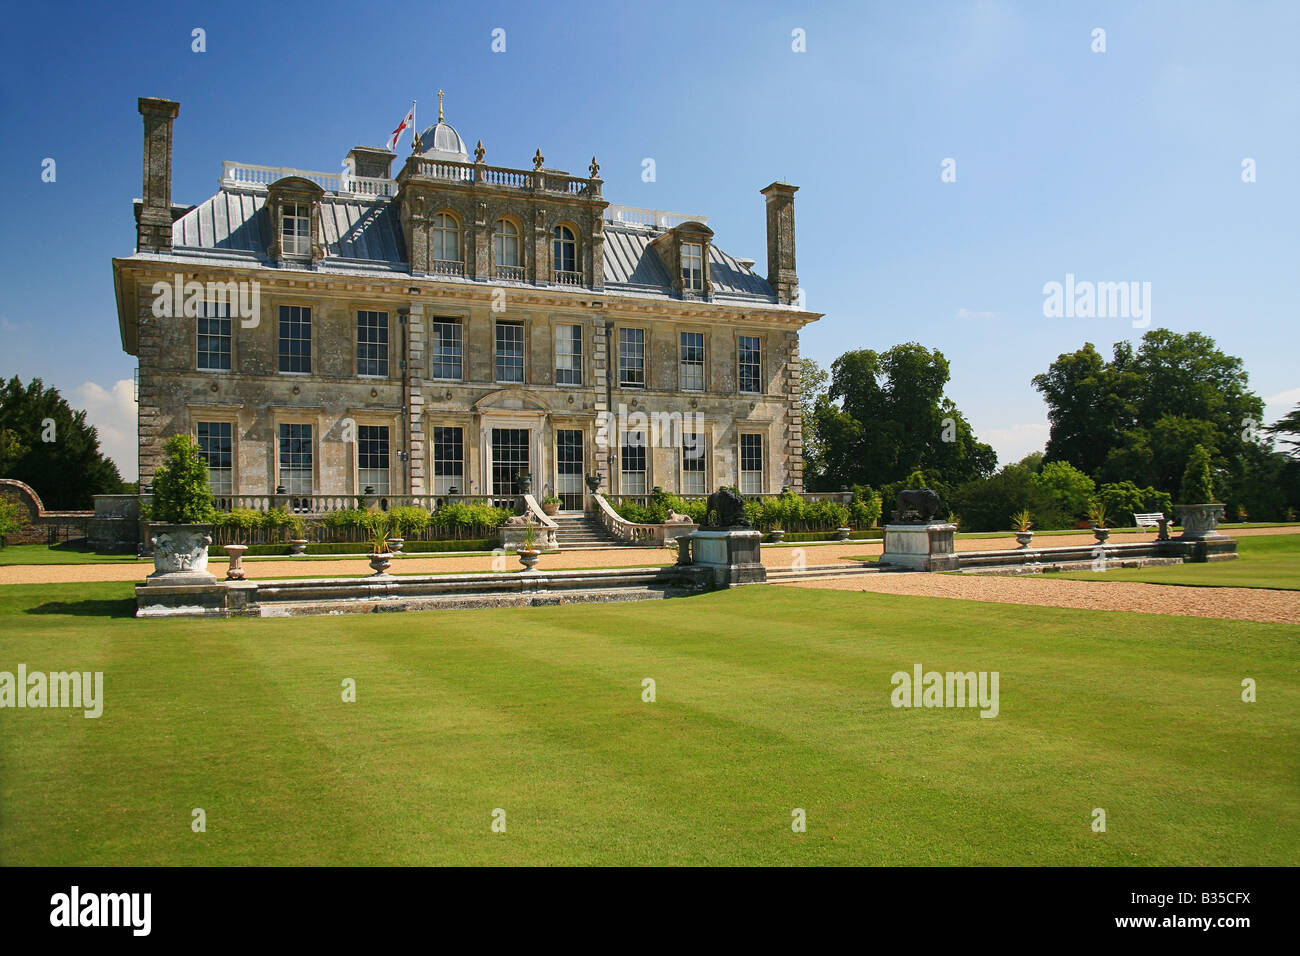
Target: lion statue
[729,508]
[917,506]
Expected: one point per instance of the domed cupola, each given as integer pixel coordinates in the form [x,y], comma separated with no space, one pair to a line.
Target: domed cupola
[442,142]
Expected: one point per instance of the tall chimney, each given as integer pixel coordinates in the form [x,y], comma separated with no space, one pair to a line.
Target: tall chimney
[780,242]
[153,216]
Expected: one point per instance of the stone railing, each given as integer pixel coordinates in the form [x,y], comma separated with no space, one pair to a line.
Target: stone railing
[512,532]
[250,175]
[538,180]
[309,505]
[651,535]
[649,218]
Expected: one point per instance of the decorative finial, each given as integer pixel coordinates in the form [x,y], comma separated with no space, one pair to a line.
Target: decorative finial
[415,142]
[479,152]
[538,159]
[440,106]
[595,168]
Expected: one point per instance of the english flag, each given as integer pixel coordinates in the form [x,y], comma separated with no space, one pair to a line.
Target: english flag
[409,120]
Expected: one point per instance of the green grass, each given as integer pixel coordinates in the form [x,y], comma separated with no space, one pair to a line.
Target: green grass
[1265,561]
[768,699]
[15,554]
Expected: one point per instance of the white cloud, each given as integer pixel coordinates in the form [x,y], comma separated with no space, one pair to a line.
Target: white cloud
[1016,441]
[113,412]
[1275,406]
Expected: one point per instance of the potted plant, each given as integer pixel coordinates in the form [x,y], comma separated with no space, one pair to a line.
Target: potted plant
[1199,514]
[1097,518]
[529,555]
[550,504]
[842,534]
[1022,523]
[182,507]
[777,533]
[298,543]
[380,557]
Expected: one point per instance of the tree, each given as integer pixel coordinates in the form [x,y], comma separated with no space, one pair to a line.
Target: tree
[1070,488]
[987,504]
[1289,424]
[813,381]
[885,415]
[180,490]
[10,519]
[48,445]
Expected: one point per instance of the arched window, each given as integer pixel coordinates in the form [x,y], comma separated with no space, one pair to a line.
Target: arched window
[566,256]
[507,246]
[446,238]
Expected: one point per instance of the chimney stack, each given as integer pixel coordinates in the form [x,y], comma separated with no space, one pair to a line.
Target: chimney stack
[780,242]
[153,216]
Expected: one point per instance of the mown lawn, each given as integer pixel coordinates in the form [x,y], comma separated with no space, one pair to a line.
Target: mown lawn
[1266,561]
[768,699]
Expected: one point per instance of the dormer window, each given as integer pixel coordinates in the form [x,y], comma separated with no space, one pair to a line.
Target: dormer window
[692,267]
[446,244]
[566,257]
[295,229]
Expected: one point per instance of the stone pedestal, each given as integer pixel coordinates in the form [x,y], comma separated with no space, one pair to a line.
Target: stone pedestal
[920,547]
[180,555]
[734,557]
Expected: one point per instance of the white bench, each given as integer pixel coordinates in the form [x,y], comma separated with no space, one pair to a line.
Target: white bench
[1148,520]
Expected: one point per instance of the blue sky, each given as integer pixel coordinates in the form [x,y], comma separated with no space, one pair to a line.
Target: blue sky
[1115,166]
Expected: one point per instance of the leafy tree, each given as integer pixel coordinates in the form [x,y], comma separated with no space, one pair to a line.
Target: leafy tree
[180,490]
[885,414]
[1197,487]
[47,444]
[10,519]
[814,381]
[986,504]
[1071,489]
[1123,499]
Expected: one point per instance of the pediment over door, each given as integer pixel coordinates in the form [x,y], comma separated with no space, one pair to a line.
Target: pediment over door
[510,400]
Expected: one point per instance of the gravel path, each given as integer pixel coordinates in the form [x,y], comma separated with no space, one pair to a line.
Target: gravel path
[1242,604]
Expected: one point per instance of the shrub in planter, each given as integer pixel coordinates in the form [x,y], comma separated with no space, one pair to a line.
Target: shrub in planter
[182,502]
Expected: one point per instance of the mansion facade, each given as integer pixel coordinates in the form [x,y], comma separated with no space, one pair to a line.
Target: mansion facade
[447,328]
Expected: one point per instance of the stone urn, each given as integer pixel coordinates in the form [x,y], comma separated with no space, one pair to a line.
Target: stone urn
[593,483]
[180,554]
[1101,534]
[235,552]
[529,557]
[1199,521]
[842,534]
[381,563]
[1023,538]
[395,545]
[525,481]
[297,547]
[778,534]
[550,507]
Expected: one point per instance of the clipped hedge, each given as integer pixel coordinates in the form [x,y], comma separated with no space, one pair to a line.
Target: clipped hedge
[358,548]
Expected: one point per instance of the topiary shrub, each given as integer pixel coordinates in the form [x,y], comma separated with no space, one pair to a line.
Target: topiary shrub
[1197,487]
[180,491]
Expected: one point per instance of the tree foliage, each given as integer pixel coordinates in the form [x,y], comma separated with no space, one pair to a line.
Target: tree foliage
[180,490]
[47,444]
[885,415]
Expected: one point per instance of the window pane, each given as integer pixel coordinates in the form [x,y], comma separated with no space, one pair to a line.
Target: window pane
[296,458]
[295,339]
[372,458]
[569,468]
[372,343]
[633,463]
[216,448]
[446,349]
[751,464]
[448,461]
[568,355]
[750,374]
[692,361]
[214,337]
[510,352]
[692,463]
[631,358]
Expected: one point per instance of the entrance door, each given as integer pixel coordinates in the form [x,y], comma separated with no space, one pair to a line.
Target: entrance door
[509,458]
[568,468]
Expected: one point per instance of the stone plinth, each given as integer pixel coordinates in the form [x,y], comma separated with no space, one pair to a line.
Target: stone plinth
[920,547]
[734,557]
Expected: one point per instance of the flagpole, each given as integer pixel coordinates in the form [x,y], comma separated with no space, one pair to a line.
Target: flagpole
[415,127]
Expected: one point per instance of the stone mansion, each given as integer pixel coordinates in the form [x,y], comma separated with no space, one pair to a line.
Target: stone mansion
[443,330]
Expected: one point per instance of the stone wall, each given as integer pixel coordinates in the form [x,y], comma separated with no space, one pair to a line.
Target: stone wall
[41,526]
